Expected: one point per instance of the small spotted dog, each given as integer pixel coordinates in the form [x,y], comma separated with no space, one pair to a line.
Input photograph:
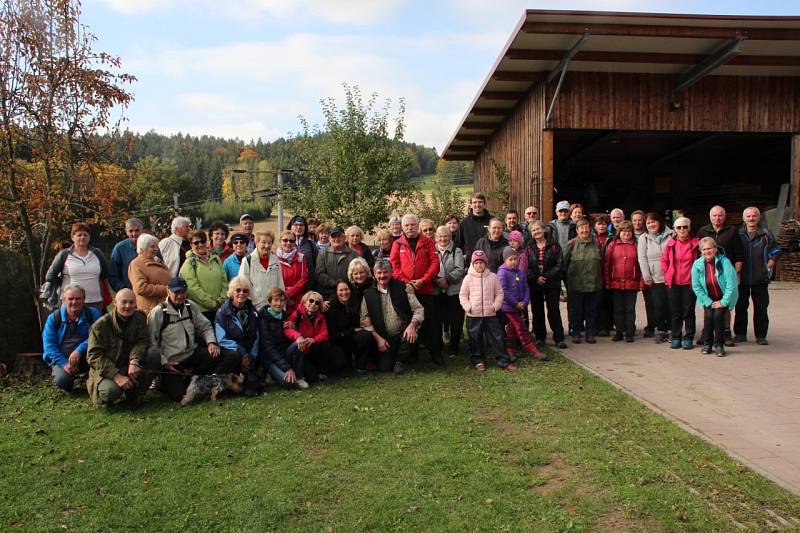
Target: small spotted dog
[202,387]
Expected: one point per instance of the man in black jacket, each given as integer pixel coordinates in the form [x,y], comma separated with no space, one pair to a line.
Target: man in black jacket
[474,225]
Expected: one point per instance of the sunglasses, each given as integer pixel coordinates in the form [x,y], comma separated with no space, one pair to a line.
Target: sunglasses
[681,227]
[531,213]
[242,291]
[198,243]
[289,240]
[239,241]
[312,301]
[427,230]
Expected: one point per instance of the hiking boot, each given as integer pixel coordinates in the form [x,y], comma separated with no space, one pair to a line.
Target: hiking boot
[729,342]
[398,368]
[676,344]
[762,341]
[719,350]
[576,340]
[603,333]
[706,349]
[511,368]
[617,338]
[688,344]
[660,337]
[302,384]
[739,338]
[628,339]
[590,340]
[561,345]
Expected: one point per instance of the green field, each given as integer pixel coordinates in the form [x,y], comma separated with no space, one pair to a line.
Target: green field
[550,448]
[426,186]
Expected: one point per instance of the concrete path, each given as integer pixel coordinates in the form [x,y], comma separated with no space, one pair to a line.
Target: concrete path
[748,403]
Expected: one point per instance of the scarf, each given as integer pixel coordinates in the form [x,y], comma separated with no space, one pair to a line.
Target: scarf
[275,314]
[285,256]
[323,245]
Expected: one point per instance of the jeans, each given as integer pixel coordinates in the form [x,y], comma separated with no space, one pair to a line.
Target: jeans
[760,296]
[550,297]
[658,315]
[682,300]
[63,379]
[582,309]
[200,363]
[489,328]
[451,316]
[714,325]
[296,360]
[624,311]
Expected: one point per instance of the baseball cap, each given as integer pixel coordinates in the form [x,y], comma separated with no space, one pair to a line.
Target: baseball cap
[177,284]
[336,230]
[246,216]
[563,205]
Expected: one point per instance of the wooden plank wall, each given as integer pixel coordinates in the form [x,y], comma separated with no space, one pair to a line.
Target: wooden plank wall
[795,178]
[600,100]
[517,145]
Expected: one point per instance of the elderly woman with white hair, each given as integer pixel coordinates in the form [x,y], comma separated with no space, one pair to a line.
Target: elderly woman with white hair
[174,248]
[149,276]
[679,255]
[236,328]
[355,240]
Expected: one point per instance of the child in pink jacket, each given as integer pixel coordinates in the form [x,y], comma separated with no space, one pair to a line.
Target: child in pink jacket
[481,296]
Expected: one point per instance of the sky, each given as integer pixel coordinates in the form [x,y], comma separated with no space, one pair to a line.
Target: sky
[250,68]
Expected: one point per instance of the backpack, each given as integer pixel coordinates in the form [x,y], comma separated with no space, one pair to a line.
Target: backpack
[57,320]
[167,319]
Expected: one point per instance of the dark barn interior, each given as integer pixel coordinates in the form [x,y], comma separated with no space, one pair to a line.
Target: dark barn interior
[686,171]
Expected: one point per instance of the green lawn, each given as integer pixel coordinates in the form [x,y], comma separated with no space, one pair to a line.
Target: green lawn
[426,186]
[551,448]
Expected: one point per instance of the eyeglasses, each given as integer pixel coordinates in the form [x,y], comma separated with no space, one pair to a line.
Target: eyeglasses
[531,213]
[681,227]
[312,301]
[289,240]
[198,243]
[238,241]
[427,230]
[242,291]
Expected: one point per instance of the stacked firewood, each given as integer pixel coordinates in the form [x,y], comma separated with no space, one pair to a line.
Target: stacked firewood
[788,236]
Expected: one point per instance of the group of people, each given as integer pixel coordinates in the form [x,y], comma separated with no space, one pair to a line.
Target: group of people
[322,302]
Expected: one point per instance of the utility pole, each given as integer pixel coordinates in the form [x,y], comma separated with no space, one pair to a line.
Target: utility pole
[280,201]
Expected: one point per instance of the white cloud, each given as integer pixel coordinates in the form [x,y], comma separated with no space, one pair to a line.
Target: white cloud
[242,130]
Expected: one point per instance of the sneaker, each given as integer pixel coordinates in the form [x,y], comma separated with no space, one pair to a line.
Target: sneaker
[676,344]
[628,339]
[649,333]
[480,367]
[706,349]
[561,345]
[510,368]
[617,338]
[302,384]
[729,342]
[660,337]
[576,340]
[590,340]
[688,344]
[739,338]
[398,368]
[762,342]
[719,350]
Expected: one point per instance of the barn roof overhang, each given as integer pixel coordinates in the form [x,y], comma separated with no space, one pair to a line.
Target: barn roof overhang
[547,44]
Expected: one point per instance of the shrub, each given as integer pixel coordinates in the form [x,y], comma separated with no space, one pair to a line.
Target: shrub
[230,211]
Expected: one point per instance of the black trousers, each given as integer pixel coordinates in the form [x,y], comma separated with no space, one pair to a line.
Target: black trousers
[200,363]
[681,303]
[714,325]
[760,296]
[604,310]
[429,334]
[323,358]
[582,309]
[355,349]
[552,299]
[451,317]
[399,350]
[624,311]
[658,315]
[648,311]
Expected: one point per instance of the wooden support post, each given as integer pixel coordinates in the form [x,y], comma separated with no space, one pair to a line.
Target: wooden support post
[794,190]
[546,199]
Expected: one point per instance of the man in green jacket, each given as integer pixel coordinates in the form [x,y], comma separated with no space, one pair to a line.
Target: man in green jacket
[117,353]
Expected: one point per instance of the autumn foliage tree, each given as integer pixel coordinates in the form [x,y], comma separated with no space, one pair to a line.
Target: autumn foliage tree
[56,94]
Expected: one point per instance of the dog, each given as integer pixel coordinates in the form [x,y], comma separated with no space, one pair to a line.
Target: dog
[202,387]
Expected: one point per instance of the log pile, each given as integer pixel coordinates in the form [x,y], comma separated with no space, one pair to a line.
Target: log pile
[788,237]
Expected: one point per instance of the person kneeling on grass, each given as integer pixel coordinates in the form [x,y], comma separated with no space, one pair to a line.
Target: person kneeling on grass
[481,296]
[516,297]
[309,331]
[236,329]
[117,355]
[285,368]
[715,283]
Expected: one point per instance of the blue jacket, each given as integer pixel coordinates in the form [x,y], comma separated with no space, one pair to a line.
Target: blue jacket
[726,277]
[124,252]
[52,337]
[756,252]
[231,266]
[230,333]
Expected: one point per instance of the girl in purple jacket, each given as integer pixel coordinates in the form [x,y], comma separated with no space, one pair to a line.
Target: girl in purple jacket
[516,298]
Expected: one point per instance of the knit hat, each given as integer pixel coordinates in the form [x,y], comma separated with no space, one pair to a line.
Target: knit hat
[516,236]
[479,255]
[508,252]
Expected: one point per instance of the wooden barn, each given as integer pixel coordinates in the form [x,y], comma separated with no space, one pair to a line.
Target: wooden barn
[640,111]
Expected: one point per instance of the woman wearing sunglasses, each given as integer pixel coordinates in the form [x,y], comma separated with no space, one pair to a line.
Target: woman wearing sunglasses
[679,255]
[308,332]
[236,327]
[204,275]
[294,268]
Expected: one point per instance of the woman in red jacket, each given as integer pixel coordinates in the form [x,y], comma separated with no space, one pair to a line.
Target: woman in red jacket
[679,254]
[294,268]
[308,332]
[623,278]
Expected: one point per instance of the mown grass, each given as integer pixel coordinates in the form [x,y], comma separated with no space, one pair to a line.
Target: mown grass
[551,448]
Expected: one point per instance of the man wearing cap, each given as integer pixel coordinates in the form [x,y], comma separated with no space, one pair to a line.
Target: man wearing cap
[247,224]
[174,327]
[562,229]
[233,263]
[332,263]
[173,248]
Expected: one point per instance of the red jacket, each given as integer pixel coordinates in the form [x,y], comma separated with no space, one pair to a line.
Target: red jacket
[295,279]
[422,263]
[676,262]
[303,327]
[621,266]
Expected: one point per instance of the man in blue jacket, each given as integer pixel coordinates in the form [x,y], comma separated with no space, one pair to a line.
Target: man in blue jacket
[124,252]
[759,254]
[65,337]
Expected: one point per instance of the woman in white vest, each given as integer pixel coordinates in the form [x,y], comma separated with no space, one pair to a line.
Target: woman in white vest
[262,269]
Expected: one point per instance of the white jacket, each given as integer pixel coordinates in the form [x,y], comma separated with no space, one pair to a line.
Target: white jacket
[650,248]
[263,280]
[170,248]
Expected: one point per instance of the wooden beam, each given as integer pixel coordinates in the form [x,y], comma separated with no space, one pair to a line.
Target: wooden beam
[794,192]
[518,75]
[503,95]
[472,125]
[651,57]
[546,201]
[491,111]
[458,157]
[754,34]
[468,137]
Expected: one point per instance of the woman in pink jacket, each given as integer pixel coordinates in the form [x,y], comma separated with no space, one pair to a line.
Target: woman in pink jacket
[308,332]
[623,278]
[680,253]
[481,296]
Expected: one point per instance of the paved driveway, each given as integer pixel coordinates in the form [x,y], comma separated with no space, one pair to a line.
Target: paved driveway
[748,403]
